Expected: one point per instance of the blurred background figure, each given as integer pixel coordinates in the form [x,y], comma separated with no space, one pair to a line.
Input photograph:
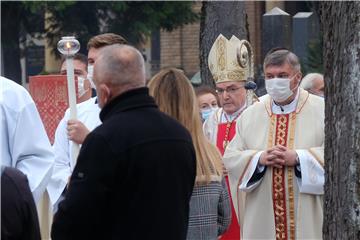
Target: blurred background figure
[208,101]
[19,219]
[80,71]
[313,83]
[210,211]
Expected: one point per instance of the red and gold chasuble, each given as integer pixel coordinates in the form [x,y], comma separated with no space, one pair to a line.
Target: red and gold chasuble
[282,191]
[51,98]
[226,132]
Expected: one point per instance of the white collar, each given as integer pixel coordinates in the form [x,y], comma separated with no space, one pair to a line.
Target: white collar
[230,117]
[291,107]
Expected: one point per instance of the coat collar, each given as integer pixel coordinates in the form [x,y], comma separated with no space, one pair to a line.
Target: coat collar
[303,97]
[135,98]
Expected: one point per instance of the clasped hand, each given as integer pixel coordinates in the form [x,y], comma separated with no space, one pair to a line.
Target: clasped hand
[278,156]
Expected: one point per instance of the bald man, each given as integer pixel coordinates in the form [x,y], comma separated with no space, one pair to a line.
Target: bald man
[70,131]
[135,172]
[313,83]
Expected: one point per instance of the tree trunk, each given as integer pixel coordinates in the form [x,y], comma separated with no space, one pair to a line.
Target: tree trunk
[225,17]
[10,28]
[341,27]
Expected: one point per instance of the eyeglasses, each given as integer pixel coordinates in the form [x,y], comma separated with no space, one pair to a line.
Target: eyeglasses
[229,90]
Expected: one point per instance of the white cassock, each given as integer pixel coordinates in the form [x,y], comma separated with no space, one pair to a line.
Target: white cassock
[280,204]
[24,142]
[88,113]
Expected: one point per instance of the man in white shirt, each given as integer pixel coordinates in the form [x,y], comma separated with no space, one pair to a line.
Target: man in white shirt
[80,71]
[70,131]
[276,159]
[24,143]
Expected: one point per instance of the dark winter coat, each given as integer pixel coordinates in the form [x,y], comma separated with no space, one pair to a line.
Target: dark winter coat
[19,219]
[134,176]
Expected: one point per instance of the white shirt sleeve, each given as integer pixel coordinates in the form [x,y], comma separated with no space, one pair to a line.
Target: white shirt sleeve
[31,150]
[312,174]
[252,168]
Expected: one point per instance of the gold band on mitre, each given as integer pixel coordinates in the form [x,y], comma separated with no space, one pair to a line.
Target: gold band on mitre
[231,60]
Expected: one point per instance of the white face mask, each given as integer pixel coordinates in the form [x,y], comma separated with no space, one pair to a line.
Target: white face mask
[278,88]
[90,75]
[81,86]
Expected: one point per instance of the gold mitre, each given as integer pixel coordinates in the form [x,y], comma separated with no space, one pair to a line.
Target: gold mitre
[231,60]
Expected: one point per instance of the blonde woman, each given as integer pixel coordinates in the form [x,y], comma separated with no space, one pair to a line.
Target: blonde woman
[210,212]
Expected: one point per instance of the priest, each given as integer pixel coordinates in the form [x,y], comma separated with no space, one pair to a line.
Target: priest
[230,63]
[275,160]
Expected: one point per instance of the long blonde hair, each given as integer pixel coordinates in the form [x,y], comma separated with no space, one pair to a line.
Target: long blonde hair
[175,96]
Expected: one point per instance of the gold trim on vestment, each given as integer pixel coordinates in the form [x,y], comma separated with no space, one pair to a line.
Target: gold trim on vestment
[278,179]
[221,50]
[303,97]
[279,204]
[281,130]
[271,131]
[290,173]
[234,75]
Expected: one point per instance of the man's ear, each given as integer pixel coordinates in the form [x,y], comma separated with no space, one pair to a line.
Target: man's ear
[105,93]
[299,77]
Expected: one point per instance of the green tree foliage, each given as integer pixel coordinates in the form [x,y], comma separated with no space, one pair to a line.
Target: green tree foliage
[133,20]
[14,27]
[315,62]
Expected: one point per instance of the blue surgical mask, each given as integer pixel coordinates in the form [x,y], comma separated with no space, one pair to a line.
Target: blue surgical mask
[205,113]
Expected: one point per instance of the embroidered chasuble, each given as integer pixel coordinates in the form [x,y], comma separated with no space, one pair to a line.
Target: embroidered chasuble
[279,205]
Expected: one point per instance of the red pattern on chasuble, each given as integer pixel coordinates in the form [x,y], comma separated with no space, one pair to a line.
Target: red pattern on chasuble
[51,99]
[233,231]
[278,180]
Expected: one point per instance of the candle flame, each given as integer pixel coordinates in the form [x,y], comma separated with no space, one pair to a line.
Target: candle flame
[68,45]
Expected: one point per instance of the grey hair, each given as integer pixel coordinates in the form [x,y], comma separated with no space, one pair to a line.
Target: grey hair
[120,64]
[280,57]
[307,82]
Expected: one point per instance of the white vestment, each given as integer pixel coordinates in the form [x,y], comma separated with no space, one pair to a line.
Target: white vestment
[88,113]
[24,142]
[279,205]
